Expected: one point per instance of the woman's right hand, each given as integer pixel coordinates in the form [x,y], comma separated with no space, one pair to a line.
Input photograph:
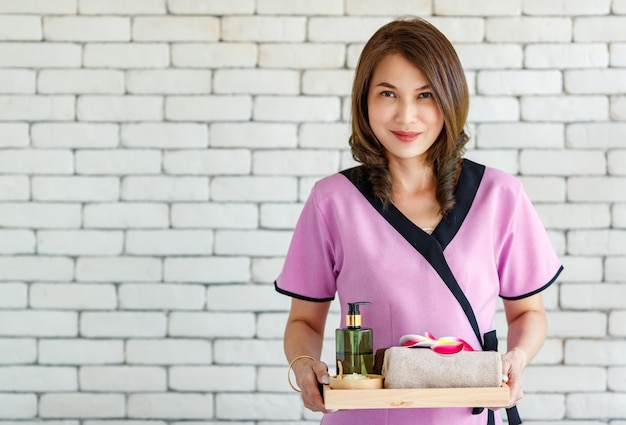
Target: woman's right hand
[310,375]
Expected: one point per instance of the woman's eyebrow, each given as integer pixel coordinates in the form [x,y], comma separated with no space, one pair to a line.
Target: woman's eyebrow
[391,86]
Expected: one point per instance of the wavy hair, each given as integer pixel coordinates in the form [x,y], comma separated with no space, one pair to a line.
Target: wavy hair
[424,46]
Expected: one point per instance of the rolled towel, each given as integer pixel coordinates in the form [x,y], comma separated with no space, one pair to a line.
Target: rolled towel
[423,368]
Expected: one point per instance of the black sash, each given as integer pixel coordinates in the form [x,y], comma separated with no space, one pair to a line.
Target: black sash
[431,247]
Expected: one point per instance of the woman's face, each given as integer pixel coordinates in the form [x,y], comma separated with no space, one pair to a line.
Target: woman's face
[403,113]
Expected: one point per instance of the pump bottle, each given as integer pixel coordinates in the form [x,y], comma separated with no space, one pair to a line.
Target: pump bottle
[353,343]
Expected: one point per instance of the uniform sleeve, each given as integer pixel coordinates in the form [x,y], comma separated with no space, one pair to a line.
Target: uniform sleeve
[528,262]
[309,269]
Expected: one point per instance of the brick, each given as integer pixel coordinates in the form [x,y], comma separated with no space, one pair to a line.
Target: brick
[564,379]
[263,28]
[581,269]
[214,55]
[493,109]
[324,135]
[80,351]
[207,270]
[251,242]
[123,324]
[605,81]
[574,216]
[84,81]
[562,162]
[208,162]
[17,351]
[122,378]
[214,215]
[265,270]
[619,215]
[565,108]
[164,135]
[165,188]
[390,8]
[343,29]
[249,352]
[266,406]
[85,189]
[107,269]
[550,407]
[170,81]
[161,297]
[578,324]
[271,325]
[126,215]
[605,296]
[485,8]
[327,82]
[618,108]
[618,54]
[279,216]
[17,81]
[291,108]
[35,55]
[256,81]
[617,378]
[14,135]
[505,159]
[18,406]
[208,108]
[176,28]
[590,189]
[595,135]
[293,162]
[126,56]
[168,351]
[169,242]
[211,7]
[38,378]
[211,325]
[589,405]
[519,82]
[515,135]
[122,161]
[72,296]
[254,189]
[122,7]
[564,56]
[170,406]
[614,268]
[20,28]
[40,215]
[30,161]
[601,29]
[80,405]
[29,323]
[617,321]
[271,379]
[74,135]
[86,29]
[262,298]
[566,7]
[490,56]
[13,295]
[36,108]
[14,188]
[619,6]
[302,56]
[213,378]
[119,108]
[299,7]
[551,353]
[254,135]
[617,162]
[528,30]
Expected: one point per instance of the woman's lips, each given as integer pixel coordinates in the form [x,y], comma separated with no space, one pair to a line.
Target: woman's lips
[406,136]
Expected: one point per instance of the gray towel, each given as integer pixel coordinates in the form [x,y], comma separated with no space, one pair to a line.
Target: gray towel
[405,367]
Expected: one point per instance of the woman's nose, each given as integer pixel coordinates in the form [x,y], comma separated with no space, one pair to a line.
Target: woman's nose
[407,112]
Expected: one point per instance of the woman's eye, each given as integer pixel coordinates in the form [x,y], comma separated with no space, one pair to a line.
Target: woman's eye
[387,93]
[426,94]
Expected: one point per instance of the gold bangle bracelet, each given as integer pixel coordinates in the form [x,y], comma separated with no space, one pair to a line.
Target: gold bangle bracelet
[289,371]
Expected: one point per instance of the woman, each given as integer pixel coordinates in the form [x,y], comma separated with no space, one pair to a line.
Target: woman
[416,229]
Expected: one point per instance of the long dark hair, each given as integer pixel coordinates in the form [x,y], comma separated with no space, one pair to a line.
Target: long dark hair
[423,45]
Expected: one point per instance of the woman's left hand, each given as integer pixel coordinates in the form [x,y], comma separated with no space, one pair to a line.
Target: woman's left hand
[512,366]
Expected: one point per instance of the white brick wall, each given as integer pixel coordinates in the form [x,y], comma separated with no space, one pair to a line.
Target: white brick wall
[155,155]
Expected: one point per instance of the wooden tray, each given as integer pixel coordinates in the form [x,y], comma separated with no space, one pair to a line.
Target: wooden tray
[416,397]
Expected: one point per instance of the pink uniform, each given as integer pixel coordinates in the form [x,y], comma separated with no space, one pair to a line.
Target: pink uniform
[493,242]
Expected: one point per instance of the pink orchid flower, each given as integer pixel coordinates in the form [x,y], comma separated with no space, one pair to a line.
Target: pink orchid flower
[446,345]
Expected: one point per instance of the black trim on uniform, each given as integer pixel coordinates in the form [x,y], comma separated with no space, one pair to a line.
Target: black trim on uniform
[519,297]
[300,297]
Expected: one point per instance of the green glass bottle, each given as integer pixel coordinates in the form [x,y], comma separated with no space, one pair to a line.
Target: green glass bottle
[354,344]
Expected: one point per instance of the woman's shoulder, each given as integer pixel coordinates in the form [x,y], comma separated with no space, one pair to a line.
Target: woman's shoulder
[496,178]
[334,185]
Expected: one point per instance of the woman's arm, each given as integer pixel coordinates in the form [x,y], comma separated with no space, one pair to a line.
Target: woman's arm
[304,335]
[527,328]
